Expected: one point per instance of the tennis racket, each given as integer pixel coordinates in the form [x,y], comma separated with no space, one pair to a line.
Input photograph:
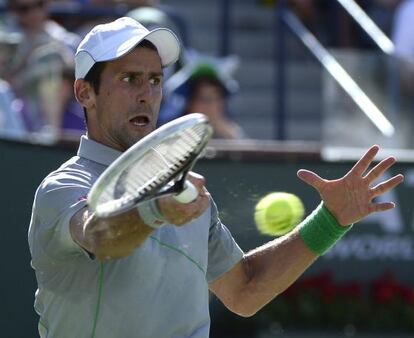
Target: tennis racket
[156,165]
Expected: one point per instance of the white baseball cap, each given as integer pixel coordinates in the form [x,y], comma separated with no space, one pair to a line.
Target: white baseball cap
[112,40]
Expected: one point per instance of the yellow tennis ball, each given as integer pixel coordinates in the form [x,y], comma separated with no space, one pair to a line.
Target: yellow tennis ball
[278,213]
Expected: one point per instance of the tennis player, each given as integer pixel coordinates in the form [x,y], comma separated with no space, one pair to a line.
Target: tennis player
[146,273]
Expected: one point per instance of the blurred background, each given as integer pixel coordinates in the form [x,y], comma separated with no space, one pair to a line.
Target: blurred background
[287,85]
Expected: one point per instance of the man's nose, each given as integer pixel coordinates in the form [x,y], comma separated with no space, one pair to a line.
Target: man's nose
[145,92]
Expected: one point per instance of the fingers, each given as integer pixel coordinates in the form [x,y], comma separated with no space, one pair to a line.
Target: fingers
[182,213]
[311,178]
[384,206]
[382,188]
[362,165]
[386,185]
[379,169]
[199,182]
[196,208]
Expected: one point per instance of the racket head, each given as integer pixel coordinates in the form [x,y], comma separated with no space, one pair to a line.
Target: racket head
[147,169]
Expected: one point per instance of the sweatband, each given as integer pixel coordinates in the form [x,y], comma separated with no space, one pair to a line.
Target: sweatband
[320,230]
[151,214]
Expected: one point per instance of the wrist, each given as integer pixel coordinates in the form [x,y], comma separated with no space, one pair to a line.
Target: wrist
[320,230]
[150,214]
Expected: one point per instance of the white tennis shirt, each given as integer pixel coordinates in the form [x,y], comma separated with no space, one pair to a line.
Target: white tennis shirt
[159,291]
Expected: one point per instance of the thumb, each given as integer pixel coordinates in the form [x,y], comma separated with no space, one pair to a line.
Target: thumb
[311,178]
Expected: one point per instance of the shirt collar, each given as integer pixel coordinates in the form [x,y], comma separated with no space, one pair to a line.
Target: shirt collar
[97,152]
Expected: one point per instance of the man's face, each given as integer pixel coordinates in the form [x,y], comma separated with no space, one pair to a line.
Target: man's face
[208,99]
[127,106]
[31,14]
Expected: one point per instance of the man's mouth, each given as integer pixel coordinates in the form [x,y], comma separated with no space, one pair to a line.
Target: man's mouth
[140,121]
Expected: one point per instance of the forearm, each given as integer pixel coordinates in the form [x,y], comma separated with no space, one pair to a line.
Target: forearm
[109,238]
[118,236]
[272,268]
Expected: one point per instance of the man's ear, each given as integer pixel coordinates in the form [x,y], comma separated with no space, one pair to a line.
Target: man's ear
[84,93]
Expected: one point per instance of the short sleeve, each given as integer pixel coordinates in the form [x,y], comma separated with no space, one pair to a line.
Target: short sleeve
[223,251]
[58,198]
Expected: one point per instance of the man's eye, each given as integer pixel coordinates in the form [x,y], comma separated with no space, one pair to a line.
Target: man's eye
[128,78]
[155,81]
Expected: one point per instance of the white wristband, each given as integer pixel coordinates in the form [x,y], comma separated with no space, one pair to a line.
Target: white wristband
[150,214]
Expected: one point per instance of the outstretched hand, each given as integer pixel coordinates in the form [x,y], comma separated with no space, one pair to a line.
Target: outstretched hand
[350,198]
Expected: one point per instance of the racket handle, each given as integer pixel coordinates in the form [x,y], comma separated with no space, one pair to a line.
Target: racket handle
[188,195]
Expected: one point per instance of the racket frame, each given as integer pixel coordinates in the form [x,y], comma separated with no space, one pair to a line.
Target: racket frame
[172,184]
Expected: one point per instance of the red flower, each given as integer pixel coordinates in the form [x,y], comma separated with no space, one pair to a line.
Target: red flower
[385,288]
[407,294]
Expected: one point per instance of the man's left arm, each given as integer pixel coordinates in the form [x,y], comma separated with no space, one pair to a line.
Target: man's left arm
[264,273]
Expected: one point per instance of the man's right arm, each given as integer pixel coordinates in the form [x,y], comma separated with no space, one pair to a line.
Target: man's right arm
[117,236]
[109,238]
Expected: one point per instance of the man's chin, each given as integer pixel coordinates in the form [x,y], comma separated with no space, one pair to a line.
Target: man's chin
[135,138]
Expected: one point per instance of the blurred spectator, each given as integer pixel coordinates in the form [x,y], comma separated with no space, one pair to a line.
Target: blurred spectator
[207,95]
[36,70]
[8,45]
[31,18]
[11,121]
[403,39]
[73,121]
[204,85]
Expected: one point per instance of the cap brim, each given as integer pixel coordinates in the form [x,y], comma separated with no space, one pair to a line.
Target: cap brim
[164,40]
[167,44]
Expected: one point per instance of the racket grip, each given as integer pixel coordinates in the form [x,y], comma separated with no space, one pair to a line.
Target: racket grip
[189,193]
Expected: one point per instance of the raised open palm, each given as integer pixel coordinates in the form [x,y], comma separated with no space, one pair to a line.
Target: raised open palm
[350,198]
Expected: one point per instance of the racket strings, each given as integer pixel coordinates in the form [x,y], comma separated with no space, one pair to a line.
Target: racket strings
[185,146]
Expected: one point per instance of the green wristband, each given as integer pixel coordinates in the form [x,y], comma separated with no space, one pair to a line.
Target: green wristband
[320,230]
